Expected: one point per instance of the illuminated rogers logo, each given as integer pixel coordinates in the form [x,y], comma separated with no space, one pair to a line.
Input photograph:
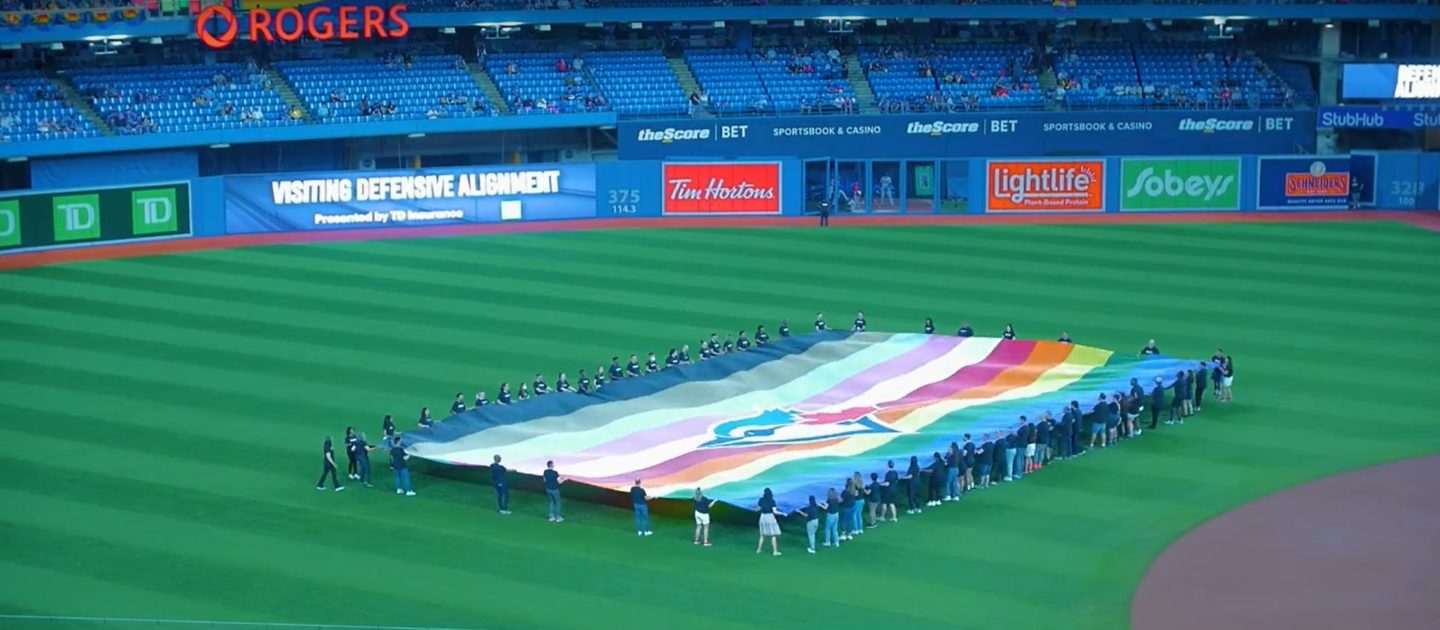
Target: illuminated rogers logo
[217,25]
[721,188]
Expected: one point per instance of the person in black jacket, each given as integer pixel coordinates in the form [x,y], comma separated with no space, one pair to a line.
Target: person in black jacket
[1202,376]
[1157,401]
[327,454]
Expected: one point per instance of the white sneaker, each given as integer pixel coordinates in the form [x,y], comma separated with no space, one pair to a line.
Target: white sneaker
[775,553]
[340,489]
[319,487]
[399,491]
[810,550]
[410,493]
[639,533]
[648,533]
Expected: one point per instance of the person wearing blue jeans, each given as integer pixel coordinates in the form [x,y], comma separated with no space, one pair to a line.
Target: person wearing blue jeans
[1007,467]
[847,510]
[953,463]
[552,481]
[362,459]
[858,525]
[398,458]
[638,499]
[832,518]
[812,522]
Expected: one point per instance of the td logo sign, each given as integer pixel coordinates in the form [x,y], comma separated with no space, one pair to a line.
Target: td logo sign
[77,217]
[9,223]
[1180,184]
[153,211]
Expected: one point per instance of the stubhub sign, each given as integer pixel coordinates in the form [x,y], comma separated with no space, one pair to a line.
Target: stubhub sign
[324,201]
[971,134]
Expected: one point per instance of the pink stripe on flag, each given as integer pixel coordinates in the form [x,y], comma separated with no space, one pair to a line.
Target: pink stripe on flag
[932,349]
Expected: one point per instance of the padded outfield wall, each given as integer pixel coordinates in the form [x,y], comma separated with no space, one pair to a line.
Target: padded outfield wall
[695,189]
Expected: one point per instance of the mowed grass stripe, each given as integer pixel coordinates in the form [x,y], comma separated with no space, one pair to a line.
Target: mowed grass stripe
[1332,345]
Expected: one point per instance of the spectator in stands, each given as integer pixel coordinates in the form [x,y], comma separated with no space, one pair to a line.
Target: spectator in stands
[562,66]
[295,113]
[511,68]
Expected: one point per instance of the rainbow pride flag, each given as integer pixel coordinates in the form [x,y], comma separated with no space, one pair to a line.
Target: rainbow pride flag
[797,416]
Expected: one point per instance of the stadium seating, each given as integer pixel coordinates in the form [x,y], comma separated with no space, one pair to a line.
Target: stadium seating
[1186,75]
[428,86]
[977,76]
[177,98]
[764,81]
[1098,76]
[538,86]
[27,116]
[503,5]
[638,83]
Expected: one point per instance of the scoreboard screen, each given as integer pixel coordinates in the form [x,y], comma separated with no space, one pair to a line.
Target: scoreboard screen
[1388,81]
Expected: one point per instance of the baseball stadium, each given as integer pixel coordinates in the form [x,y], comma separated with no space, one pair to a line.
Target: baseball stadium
[820,313]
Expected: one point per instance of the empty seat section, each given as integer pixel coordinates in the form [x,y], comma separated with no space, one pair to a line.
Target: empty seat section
[543,83]
[637,83]
[31,109]
[184,97]
[1097,77]
[416,87]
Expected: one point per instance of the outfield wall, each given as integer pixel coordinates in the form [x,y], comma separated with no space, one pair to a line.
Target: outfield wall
[787,186]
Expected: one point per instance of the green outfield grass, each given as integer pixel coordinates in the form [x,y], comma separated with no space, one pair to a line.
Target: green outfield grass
[162,418]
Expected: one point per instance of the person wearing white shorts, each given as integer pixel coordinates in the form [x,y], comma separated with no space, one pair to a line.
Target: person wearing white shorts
[702,518]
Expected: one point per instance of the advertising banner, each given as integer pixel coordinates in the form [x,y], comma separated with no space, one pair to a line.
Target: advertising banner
[1045,186]
[370,199]
[1358,117]
[1181,183]
[101,215]
[721,188]
[1303,183]
[1389,81]
[981,135]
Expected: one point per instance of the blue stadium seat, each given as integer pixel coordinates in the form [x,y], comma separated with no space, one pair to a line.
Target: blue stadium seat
[26,116]
[428,86]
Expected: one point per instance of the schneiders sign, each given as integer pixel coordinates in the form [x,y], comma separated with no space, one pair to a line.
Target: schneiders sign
[217,26]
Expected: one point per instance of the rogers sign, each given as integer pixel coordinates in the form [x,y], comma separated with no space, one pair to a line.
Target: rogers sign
[713,188]
[218,25]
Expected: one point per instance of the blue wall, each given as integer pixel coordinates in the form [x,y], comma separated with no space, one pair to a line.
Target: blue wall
[113,169]
[243,204]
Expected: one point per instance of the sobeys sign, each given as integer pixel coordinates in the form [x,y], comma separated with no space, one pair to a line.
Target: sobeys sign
[1179,184]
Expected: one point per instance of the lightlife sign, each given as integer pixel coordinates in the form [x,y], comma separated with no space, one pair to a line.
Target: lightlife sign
[217,26]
